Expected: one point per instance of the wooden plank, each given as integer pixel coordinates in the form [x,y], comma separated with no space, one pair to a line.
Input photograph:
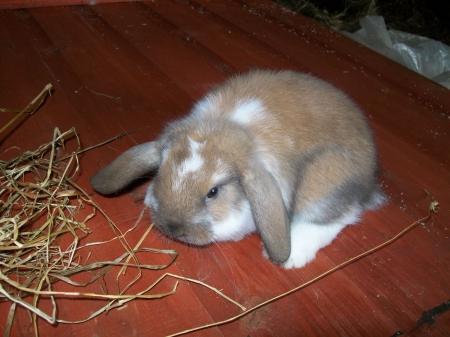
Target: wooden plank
[160,57]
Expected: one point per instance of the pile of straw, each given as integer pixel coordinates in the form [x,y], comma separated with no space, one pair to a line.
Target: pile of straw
[40,204]
[42,207]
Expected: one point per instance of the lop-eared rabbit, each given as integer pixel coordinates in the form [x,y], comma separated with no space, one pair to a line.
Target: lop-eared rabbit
[282,154]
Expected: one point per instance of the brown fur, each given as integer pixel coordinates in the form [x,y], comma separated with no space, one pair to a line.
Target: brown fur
[309,145]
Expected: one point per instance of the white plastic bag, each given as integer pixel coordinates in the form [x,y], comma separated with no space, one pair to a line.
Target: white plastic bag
[426,56]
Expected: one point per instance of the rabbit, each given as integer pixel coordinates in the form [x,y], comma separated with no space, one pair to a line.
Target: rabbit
[280,153]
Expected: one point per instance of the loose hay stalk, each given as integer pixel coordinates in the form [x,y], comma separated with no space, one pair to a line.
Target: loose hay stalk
[431,209]
[30,108]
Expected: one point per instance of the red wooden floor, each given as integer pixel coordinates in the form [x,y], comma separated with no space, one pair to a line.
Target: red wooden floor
[152,60]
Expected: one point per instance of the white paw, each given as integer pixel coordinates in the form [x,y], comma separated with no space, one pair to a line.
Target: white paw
[307,239]
[298,261]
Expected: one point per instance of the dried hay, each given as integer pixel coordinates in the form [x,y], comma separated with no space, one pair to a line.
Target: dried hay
[40,207]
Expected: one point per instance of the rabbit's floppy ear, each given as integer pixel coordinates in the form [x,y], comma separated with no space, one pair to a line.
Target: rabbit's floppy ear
[269,211]
[130,165]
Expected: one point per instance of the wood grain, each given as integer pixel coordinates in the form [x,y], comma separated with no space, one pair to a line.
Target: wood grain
[122,66]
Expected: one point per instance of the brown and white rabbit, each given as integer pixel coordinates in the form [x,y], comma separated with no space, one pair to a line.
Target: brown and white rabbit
[279,153]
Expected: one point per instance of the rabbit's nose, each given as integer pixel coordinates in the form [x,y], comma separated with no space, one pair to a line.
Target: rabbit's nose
[174,229]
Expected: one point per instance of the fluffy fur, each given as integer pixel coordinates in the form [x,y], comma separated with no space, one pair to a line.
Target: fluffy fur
[280,153]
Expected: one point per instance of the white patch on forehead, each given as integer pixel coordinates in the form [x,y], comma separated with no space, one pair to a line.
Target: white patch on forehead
[248,111]
[237,225]
[195,146]
[195,161]
[191,164]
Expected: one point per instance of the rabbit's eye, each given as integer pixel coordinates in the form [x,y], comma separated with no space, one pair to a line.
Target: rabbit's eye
[212,193]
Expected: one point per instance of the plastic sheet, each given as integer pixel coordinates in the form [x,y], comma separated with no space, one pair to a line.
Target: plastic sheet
[426,56]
